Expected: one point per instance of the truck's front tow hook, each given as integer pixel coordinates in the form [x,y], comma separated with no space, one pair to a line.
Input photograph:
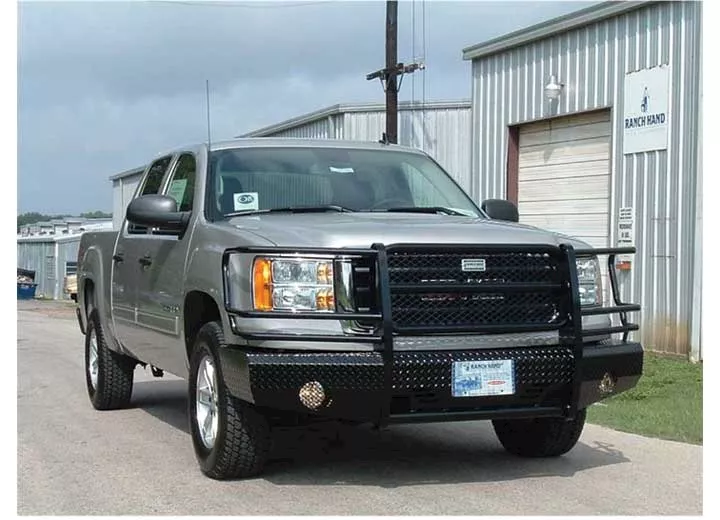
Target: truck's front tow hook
[157,372]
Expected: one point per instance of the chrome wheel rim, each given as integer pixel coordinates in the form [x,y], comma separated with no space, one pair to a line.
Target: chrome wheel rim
[92,366]
[206,402]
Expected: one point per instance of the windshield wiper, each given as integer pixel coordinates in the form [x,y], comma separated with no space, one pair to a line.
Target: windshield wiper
[291,209]
[424,209]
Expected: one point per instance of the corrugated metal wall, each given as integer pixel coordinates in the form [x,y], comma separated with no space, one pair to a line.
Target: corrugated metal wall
[661,186]
[48,262]
[34,255]
[123,191]
[444,133]
[325,128]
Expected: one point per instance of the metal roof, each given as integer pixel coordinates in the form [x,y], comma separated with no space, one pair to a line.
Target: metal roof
[561,24]
[127,173]
[344,108]
[50,238]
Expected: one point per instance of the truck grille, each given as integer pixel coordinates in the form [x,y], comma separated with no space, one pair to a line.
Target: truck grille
[430,289]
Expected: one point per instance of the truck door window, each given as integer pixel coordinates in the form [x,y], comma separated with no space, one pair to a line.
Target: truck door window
[153,182]
[182,182]
[181,187]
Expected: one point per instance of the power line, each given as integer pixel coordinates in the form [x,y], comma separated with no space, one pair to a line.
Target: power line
[412,51]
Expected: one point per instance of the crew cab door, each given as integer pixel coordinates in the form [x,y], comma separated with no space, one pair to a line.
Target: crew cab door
[161,286]
[131,247]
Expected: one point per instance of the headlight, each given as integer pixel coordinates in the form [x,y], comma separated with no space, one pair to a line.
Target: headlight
[298,284]
[590,281]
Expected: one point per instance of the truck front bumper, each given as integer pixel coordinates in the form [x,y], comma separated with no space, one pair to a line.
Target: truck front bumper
[356,386]
[388,384]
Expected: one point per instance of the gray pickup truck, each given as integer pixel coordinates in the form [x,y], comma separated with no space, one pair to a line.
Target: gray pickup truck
[291,281]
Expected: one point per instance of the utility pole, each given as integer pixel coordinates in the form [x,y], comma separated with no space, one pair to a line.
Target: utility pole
[389,75]
[391,90]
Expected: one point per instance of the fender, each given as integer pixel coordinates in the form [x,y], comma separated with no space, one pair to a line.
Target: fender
[95,268]
[205,279]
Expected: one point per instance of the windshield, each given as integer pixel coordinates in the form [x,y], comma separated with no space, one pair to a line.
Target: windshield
[248,180]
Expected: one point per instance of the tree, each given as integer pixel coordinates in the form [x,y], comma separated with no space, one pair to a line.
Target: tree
[96,214]
[33,217]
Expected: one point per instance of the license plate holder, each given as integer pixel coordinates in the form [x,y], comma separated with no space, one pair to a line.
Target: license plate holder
[483,378]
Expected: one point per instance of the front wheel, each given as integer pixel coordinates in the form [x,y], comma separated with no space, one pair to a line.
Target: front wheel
[546,437]
[231,439]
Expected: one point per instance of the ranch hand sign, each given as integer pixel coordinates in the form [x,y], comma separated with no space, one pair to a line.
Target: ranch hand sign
[646,109]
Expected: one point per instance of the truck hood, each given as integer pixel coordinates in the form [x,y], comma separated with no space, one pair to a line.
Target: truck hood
[361,230]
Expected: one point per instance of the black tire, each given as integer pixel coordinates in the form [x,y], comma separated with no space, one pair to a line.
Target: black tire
[242,442]
[546,437]
[114,370]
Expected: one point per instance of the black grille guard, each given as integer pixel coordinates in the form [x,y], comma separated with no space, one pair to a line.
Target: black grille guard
[571,333]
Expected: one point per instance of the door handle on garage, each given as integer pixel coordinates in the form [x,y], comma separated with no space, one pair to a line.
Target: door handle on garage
[145,261]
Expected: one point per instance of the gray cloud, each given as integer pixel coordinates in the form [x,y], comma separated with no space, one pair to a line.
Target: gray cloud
[104,86]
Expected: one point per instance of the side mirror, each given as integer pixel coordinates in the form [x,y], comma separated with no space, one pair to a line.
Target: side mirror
[157,211]
[500,209]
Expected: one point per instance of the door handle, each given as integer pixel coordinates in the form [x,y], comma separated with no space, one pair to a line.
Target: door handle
[145,261]
[118,257]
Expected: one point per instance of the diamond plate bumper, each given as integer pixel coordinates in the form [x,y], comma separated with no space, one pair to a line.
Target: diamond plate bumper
[616,364]
[420,388]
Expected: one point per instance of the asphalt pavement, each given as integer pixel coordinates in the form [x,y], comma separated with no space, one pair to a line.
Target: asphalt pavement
[73,460]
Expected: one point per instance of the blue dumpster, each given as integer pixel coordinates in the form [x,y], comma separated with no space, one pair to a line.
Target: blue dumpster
[26,291]
[26,284]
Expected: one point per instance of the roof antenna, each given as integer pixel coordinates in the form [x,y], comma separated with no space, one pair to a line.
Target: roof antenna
[384,139]
[207,99]
[208,169]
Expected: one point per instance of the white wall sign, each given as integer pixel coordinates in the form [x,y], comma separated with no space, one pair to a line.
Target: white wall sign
[626,227]
[646,110]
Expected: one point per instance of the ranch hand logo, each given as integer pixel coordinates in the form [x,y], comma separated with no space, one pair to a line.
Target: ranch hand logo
[645,121]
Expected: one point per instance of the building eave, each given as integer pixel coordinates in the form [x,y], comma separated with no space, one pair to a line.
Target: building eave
[345,108]
[127,173]
[551,27]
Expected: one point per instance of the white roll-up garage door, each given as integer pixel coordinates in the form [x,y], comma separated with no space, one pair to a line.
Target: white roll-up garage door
[564,176]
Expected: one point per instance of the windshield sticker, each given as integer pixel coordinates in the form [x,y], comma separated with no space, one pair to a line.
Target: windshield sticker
[177,190]
[245,201]
[341,170]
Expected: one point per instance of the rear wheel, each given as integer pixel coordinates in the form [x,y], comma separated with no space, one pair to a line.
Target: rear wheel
[108,374]
[546,437]
[230,437]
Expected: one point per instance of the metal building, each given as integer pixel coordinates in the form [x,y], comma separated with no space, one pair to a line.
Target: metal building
[591,123]
[65,226]
[124,186]
[442,129]
[52,259]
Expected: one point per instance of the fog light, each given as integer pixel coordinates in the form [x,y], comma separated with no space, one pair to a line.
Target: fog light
[312,395]
[607,384]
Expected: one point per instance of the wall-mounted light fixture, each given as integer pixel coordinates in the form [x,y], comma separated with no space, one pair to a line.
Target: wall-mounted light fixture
[553,89]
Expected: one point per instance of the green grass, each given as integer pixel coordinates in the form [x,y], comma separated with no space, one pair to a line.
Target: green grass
[666,403]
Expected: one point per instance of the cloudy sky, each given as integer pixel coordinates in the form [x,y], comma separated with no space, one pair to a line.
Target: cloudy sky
[104,86]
